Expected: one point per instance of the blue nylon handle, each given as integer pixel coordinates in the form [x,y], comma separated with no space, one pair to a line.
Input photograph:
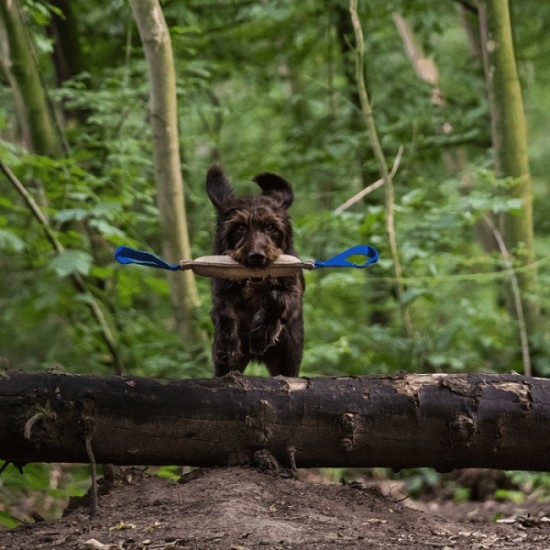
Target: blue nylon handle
[341,260]
[127,255]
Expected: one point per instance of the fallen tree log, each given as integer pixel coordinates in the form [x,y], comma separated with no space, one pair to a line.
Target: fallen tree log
[397,421]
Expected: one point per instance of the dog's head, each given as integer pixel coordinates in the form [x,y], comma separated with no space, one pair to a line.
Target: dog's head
[254,230]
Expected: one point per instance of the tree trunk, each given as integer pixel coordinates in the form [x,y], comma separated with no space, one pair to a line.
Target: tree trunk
[385,173]
[469,21]
[63,29]
[168,177]
[442,421]
[38,129]
[509,134]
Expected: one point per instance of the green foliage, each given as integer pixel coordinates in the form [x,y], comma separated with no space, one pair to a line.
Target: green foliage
[449,280]
[286,104]
[420,480]
[39,488]
[71,261]
[535,483]
[270,86]
[172,473]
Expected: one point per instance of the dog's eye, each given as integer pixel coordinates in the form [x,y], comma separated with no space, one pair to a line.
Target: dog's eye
[271,228]
[240,228]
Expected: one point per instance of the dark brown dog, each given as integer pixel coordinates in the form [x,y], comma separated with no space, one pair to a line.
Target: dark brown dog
[255,319]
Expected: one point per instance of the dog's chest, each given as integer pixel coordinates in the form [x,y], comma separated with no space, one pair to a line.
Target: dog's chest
[254,293]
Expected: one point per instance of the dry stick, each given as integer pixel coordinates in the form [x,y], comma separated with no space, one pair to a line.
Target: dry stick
[424,66]
[33,205]
[381,162]
[516,292]
[373,186]
[93,466]
[78,281]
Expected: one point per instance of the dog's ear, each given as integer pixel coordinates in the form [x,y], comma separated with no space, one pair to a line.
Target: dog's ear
[218,187]
[274,186]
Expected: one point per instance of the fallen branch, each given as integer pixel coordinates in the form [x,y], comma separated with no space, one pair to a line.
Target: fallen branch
[400,421]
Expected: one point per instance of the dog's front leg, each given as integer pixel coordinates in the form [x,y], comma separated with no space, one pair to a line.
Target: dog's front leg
[268,322]
[264,333]
[227,352]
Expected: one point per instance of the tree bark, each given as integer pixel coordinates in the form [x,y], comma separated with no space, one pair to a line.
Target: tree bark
[509,135]
[168,177]
[63,29]
[385,174]
[16,57]
[400,421]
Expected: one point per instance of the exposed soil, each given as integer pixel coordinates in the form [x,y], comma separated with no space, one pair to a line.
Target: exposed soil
[238,509]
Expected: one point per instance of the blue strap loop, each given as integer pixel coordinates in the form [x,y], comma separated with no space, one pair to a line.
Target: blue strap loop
[341,260]
[127,255]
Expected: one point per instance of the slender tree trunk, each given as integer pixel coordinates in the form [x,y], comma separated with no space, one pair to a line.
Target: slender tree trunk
[469,21]
[16,55]
[386,175]
[168,177]
[508,123]
[399,421]
[509,135]
[67,54]
[344,34]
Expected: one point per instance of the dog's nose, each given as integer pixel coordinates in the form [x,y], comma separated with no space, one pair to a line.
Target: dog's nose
[256,258]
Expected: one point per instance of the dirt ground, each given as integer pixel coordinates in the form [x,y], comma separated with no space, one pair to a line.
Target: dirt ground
[239,509]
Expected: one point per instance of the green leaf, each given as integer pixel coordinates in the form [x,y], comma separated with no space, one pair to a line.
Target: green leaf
[9,241]
[71,214]
[507,494]
[105,228]
[9,521]
[173,473]
[412,294]
[108,210]
[71,261]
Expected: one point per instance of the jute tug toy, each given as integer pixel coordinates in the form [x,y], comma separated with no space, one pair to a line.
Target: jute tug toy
[225,267]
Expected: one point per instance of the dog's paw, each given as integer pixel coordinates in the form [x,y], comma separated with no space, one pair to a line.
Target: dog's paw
[227,353]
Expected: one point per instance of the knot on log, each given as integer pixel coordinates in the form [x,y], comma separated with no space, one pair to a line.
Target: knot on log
[462,429]
[348,425]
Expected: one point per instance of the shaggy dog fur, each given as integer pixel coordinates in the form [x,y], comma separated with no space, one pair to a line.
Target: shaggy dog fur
[255,319]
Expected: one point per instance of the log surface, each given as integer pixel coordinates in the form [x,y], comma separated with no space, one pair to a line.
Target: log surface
[398,421]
